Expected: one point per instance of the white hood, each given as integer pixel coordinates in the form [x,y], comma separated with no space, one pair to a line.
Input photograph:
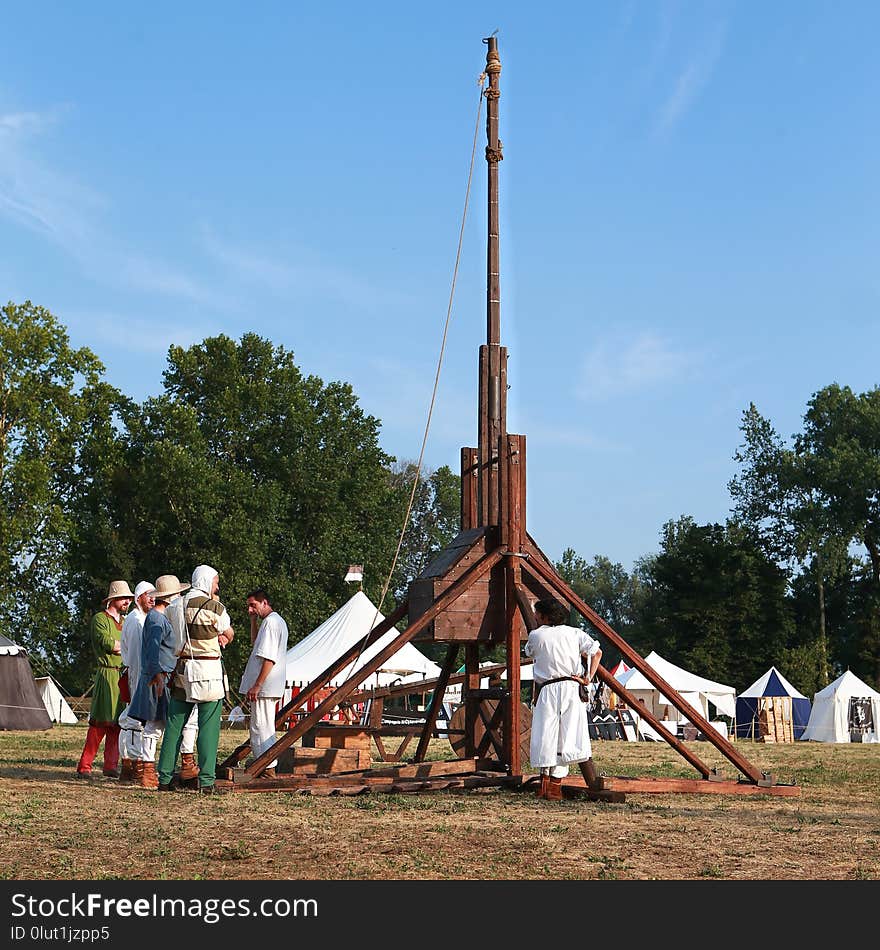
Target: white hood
[203,578]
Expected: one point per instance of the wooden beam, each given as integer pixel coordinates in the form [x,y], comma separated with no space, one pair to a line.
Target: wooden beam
[317,684]
[692,786]
[603,675]
[540,566]
[436,702]
[449,596]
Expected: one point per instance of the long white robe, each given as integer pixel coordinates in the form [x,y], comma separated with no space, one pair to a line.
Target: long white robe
[560,727]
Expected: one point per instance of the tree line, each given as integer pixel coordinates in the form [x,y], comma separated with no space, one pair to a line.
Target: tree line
[243,462]
[277,478]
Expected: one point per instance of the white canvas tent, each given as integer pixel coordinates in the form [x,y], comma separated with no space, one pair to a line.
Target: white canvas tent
[56,705]
[340,632]
[843,710]
[697,691]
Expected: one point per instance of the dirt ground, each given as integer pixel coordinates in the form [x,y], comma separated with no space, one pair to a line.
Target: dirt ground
[56,827]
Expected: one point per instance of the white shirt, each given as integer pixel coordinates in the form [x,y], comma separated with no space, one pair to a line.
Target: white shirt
[557,651]
[270,644]
[130,640]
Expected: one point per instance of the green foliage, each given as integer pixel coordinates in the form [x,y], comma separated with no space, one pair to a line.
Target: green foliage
[609,590]
[51,396]
[244,463]
[716,602]
[435,519]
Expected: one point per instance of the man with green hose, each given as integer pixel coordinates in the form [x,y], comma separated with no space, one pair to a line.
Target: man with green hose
[198,680]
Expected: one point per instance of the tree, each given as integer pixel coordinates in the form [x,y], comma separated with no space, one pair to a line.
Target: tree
[245,463]
[778,496]
[715,601]
[842,437]
[51,396]
[608,589]
[434,521]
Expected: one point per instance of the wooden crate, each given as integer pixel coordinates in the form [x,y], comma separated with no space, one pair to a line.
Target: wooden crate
[774,719]
[322,761]
[342,737]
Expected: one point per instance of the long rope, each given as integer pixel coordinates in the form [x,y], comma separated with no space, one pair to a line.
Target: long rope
[416,479]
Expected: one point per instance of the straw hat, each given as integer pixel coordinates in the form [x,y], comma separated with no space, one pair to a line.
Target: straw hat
[118,589]
[168,586]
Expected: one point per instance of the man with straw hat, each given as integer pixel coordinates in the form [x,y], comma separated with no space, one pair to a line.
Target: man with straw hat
[104,631]
[149,704]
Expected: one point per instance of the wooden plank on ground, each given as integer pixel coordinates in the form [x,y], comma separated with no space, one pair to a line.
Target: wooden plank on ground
[692,786]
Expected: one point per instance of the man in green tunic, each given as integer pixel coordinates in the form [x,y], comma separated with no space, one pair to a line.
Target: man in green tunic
[105,631]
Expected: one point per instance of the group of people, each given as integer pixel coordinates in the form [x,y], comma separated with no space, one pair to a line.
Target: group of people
[170,645]
[169,648]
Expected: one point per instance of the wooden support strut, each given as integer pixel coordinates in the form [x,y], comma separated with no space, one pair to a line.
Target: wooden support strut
[436,701]
[544,572]
[317,684]
[529,619]
[449,596]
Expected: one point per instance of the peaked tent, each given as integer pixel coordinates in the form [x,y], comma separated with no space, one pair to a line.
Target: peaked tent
[843,710]
[53,699]
[772,683]
[345,629]
[618,668]
[21,706]
[697,691]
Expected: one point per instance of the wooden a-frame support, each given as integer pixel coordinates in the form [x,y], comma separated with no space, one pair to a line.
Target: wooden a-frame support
[494,545]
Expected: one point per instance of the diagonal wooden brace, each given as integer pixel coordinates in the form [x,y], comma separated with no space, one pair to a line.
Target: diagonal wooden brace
[320,681]
[539,567]
[449,596]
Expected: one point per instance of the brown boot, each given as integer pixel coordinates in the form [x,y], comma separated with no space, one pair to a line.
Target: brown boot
[545,784]
[126,776]
[268,773]
[591,774]
[554,790]
[148,777]
[188,766]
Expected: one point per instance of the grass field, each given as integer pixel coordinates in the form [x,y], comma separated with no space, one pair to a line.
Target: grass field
[56,827]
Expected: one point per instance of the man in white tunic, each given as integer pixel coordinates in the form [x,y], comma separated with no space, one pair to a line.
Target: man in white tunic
[560,727]
[263,678]
[131,731]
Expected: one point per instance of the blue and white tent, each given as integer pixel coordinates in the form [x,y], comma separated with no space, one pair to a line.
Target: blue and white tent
[748,705]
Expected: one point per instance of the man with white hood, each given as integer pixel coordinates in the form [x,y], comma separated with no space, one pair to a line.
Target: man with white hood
[131,731]
[198,679]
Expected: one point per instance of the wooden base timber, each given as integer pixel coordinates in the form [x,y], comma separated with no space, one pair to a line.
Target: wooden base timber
[418,777]
[689,786]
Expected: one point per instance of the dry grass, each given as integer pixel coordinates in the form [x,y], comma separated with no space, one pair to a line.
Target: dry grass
[57,827]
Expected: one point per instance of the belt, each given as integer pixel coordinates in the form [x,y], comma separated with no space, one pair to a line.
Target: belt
[556,679]
[196,656]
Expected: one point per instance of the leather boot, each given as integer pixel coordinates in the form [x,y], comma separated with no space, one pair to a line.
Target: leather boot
[188,766]
[554,790]
[545,784]
[269,773]
[591,774]
[126,776]
[148,777]
[138,777]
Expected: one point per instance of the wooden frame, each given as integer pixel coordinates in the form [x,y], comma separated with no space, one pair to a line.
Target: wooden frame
[480,589]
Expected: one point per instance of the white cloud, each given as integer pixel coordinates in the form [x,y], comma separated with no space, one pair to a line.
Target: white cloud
[300,273]
[691,81]
[616,367]
[141,335]
[37,196]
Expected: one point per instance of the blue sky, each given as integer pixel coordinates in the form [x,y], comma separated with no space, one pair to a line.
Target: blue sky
[690,218]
